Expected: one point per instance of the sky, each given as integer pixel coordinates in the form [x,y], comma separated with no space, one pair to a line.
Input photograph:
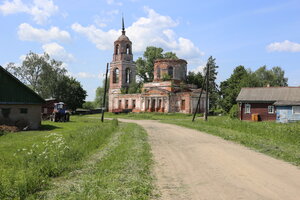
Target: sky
[81,33]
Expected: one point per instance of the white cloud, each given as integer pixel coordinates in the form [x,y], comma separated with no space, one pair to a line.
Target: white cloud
[152,30]
[58,52]
[114,2]
[86,75]
[284,46]
[29,33]
[40,10]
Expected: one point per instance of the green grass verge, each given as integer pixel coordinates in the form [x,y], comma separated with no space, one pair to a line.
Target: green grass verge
[123,173]
[278,140]
[30,159]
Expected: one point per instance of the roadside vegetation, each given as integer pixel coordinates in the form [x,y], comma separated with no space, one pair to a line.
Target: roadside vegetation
[278,140]
[32,161]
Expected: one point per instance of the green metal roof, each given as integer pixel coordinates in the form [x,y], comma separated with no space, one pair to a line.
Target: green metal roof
[13,91]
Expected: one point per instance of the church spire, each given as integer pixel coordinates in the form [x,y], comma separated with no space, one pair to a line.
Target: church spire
[123,27]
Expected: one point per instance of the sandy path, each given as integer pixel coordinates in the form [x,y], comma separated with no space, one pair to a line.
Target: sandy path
[195,165]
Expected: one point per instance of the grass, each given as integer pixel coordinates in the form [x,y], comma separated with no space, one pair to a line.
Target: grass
[123,172]
[278,140]
[31,160]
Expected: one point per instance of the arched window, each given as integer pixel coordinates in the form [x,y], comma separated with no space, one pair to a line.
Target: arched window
[170,72]
[116,75]
[128,50]
[128,75]
[158,72]
[117,49]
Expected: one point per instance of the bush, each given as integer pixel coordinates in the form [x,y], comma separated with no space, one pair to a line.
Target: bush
[234,112]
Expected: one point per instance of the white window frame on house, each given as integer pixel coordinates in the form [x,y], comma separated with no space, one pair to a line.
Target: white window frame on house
[271,109]
[247,108]
[296,109]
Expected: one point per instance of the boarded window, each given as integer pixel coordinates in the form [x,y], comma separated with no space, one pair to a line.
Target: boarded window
[126,104]
[271,109]
[170,72]
[133,103]
[182,104]
[23,110]
[296,109]
[247,108]
[120,104]
[5,112]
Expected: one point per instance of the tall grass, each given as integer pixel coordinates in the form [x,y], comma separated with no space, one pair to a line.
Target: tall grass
[29,159]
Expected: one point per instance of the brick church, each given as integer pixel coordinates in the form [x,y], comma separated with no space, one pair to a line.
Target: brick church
[173,95]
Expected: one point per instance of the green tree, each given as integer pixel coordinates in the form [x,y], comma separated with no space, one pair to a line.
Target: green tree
[195,78]
[213,86]
[230,88]
[39,72]
[145,64]
[48,78]
[99,95]
[70,92]
[272,77]
[88,105]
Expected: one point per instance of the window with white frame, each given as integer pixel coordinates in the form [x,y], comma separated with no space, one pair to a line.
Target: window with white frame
[271,109]
[296,109]
[247,108]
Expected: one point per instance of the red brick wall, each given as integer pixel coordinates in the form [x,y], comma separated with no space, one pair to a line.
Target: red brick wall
[258,108]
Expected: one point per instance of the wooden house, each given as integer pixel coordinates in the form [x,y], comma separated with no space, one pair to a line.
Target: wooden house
[19,105]
[269,103]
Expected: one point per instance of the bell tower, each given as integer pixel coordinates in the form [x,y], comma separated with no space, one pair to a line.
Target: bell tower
[122,67]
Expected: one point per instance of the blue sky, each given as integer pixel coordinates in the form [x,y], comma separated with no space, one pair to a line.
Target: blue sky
[81,33]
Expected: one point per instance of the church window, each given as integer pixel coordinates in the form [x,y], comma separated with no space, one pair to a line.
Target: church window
[116,75]
[170,72]
[128,78]
[158,72]
[128,50]
[117,49]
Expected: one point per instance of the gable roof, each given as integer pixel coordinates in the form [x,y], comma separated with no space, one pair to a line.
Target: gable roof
[13,91]
[269,94]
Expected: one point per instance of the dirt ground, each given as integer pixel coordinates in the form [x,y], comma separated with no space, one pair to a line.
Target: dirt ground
[194,165]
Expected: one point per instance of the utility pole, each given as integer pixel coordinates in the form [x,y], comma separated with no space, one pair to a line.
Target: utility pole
[199,99]
[207,88]
[104,95]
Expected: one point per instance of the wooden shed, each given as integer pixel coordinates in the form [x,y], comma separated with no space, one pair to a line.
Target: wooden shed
[19,105]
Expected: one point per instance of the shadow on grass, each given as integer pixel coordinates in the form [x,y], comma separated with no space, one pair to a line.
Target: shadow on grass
[48,127]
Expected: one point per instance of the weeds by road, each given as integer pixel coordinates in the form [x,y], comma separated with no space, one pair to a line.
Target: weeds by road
[30,162]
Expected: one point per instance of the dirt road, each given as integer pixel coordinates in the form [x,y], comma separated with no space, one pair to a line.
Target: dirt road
[194,165]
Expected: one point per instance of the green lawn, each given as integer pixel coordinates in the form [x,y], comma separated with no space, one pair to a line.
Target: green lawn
[32,161]
[278,140]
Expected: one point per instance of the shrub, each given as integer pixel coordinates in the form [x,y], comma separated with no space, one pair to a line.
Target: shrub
[233,113]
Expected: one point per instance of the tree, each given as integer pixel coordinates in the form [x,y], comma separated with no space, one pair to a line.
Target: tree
[88,105]
[195,78]
[213,87]
[230,88]
[272,77]
[70,92]
[99,95]
[145,65]
[48,78]
[39,72]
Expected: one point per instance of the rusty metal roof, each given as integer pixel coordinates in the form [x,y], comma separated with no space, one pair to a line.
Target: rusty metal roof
[269,94]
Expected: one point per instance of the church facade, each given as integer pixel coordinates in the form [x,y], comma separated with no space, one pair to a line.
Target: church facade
[164,95]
